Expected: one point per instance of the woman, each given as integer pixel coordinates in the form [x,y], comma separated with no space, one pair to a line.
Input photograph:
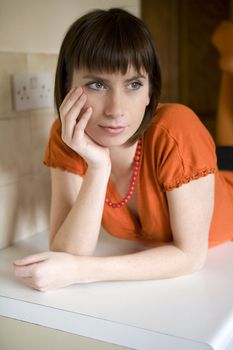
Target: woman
[146,170]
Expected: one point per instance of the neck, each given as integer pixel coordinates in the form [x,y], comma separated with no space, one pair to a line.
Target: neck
[122,159]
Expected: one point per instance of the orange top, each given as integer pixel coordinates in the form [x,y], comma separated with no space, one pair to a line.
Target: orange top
[176,148]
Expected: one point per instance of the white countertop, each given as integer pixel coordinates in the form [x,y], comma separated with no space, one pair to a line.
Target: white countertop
[193,312]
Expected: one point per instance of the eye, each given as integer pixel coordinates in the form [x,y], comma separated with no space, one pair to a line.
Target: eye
[135,85]
[96,85]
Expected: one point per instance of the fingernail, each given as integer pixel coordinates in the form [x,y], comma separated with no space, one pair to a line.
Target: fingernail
[89,109]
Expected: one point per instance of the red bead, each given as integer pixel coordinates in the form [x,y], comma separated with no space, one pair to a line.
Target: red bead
[114,205]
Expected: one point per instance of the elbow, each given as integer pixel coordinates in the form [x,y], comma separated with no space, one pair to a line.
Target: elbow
[198,263]
[193,258]
[56,246]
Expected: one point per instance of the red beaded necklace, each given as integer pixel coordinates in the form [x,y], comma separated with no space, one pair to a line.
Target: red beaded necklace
[137,158]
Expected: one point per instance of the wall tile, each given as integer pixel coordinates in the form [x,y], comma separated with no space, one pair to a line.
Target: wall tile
[10,63]
[15,149]
[42,194]
[17,215]
[41,122]
[41,63]
[25,209]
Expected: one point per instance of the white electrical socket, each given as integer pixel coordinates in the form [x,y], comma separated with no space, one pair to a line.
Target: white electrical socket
[32,91]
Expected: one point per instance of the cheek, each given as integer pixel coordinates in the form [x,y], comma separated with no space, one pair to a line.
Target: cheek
[142,103]
[147,100]
[142,100]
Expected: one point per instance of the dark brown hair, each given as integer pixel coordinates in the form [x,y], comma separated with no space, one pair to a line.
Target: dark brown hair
[109,41]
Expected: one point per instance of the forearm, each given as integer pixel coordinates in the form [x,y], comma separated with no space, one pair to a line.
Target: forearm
[156,263]
[80,230]
[48,270]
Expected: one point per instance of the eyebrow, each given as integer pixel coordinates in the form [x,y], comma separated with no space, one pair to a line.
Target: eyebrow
[96,77]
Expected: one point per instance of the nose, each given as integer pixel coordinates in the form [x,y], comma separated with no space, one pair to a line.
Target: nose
[114,105]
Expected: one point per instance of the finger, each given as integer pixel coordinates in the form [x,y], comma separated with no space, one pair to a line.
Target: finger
[71,117]
[31,283]
[66,105]
[31,259]
[69,100]
[23,271]
[81,124]
[68,97]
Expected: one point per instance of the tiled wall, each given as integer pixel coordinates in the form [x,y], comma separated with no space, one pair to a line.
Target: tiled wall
[24,180]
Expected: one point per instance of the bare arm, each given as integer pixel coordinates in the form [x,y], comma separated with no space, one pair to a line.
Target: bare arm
[80,204]
[191,208]
[77,204]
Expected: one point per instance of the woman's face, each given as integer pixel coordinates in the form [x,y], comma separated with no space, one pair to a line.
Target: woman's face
[118,103]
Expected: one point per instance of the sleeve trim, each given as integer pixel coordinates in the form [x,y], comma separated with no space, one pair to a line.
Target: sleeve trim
[186,179]
[62,167]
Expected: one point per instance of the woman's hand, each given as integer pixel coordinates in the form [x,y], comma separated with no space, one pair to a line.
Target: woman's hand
[50,270]
[74,118]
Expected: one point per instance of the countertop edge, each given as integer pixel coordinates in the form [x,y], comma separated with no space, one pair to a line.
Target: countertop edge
[91,327]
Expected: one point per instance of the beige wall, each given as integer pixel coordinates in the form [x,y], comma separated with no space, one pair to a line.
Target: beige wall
[39,26]
[30,35]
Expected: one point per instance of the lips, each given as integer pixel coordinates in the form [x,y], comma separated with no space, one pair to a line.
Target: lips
[112,129]
[112,126]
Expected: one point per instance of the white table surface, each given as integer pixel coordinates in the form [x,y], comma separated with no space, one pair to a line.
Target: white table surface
[193,312]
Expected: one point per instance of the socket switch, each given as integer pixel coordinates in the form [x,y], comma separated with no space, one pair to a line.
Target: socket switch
[32,91]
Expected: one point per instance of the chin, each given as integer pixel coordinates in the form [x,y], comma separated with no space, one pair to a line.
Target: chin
[109,141]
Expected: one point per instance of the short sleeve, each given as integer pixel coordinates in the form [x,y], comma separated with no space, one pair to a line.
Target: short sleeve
[59,155]
[184,148]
